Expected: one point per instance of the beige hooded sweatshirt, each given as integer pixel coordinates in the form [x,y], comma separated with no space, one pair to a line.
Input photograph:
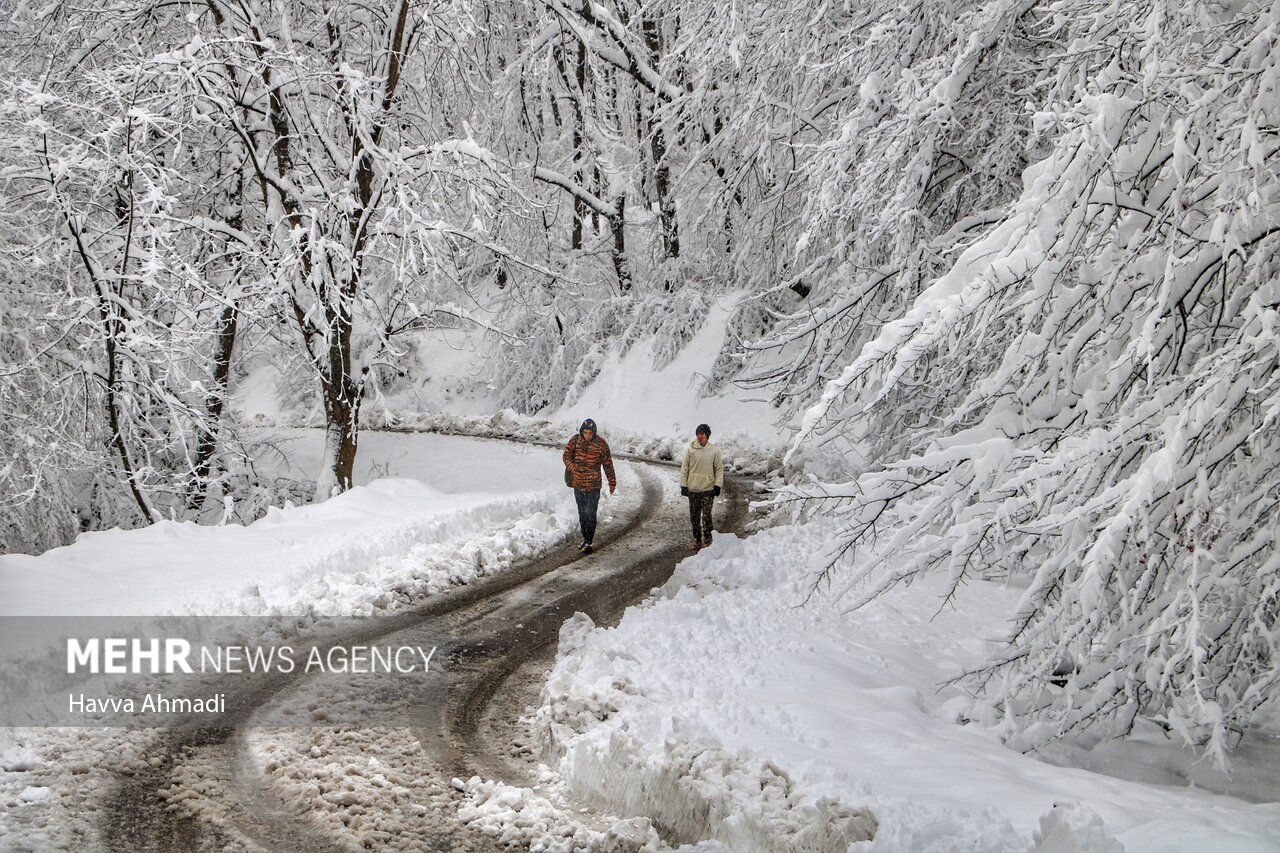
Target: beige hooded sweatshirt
[702,468]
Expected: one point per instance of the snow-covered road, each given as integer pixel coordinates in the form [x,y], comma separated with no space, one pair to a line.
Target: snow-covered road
[236,785]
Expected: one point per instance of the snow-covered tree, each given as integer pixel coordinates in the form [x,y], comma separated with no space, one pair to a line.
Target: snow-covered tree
[311,162]
[114,255]
[589,95]
[1078,381]
[356,145]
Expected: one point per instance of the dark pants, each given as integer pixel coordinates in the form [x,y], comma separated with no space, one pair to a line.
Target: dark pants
[700,515]
[588,500]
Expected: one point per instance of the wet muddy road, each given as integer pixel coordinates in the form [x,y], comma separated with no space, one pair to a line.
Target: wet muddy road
[235,785]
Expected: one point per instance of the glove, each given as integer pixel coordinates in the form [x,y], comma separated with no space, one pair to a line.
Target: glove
[684,490]
[715,492]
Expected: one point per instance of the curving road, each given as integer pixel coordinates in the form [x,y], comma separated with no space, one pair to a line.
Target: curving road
[208,789]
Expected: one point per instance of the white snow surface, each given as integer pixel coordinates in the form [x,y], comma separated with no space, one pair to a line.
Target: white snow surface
[473,505]
[727,712]
[726,703]
[647,412]
[629,394]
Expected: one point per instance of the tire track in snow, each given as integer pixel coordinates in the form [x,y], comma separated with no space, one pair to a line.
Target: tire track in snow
[503,622]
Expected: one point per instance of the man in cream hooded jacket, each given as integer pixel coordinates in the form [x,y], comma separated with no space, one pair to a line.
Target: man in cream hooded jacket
[701,480]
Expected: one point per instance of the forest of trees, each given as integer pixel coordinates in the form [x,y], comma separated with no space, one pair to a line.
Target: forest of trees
[1011,266]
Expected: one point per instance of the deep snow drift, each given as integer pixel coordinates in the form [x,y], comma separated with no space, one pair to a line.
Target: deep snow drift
[725,705]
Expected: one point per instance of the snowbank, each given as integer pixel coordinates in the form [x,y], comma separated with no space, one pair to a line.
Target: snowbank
[335,558]
[724,709]
[292,557]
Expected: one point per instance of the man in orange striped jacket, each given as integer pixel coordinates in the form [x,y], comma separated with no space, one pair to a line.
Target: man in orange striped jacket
[584,456]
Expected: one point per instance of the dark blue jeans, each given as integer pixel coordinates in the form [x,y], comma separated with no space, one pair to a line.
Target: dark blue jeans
[588,501]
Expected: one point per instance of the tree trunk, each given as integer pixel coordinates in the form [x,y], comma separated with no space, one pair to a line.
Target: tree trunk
[113,328]
[149,515]
[662,186]
[342,411]
[619,254]
[224,343]
[337,471]
[342,391]
[215,402]
[658,152]
[579,139]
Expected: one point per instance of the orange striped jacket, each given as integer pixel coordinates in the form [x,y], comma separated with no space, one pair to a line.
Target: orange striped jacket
[585,459]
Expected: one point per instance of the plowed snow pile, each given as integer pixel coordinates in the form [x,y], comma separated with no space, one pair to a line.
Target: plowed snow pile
[729,708]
